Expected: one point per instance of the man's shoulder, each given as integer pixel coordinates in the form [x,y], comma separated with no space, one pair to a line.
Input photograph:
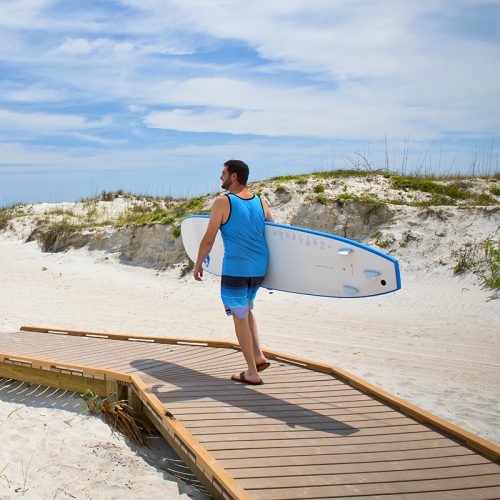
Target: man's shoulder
[221,198]
[221,201]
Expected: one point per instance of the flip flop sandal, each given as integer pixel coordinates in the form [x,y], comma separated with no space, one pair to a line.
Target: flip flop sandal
[243,380]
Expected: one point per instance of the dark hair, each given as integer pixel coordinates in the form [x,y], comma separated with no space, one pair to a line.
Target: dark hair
[240,169]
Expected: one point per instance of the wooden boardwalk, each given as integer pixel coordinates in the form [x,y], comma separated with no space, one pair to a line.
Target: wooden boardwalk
[311,431]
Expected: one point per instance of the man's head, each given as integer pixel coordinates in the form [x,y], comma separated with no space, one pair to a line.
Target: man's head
[240,171]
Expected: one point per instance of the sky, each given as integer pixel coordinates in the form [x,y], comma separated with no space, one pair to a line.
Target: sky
[152,96]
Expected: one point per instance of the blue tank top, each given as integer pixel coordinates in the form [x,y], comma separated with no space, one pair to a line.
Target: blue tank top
[245,247]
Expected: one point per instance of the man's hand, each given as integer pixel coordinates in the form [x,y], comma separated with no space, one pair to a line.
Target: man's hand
[198,272]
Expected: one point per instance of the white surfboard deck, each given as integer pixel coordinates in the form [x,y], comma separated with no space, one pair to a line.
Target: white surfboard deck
[307,262]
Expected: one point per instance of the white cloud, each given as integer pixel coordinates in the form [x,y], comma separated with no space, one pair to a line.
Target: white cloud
[382,67]
[97,139]
[47,122]
[22,13]
[30,93]
[352,112]
[377,68]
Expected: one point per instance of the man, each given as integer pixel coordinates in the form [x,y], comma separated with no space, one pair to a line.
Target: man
[240,215]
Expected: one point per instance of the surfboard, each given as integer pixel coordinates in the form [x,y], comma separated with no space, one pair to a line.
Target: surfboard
[307,262]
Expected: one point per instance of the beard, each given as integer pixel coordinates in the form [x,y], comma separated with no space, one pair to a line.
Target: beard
[226,184]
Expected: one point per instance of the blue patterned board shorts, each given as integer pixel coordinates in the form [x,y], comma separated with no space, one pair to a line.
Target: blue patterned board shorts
[238,294]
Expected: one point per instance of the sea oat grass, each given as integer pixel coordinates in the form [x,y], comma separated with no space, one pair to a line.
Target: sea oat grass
[5,218]
[482,259]
[119,415]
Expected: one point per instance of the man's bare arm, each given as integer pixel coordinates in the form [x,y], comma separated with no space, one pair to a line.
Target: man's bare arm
[267,213]
[209,238]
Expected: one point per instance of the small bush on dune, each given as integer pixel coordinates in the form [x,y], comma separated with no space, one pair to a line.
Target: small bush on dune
[110,196]
[5,218]
[322,199]
[427,186]
[482,259]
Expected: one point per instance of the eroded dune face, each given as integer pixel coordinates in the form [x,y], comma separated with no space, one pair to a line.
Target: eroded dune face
[421,229]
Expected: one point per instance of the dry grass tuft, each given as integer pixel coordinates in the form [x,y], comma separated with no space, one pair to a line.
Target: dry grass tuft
[120,416]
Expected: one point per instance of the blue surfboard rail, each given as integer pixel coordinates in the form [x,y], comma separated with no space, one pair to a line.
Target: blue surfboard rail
[333,237]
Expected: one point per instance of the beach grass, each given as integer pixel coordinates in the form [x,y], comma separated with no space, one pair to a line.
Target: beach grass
[118,414]
[482,259]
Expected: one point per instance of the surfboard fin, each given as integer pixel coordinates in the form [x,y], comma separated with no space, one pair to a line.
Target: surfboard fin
[350,290]
[371,274]
[345,251]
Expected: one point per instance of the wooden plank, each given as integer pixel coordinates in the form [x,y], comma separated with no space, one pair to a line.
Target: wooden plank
[340,431]
[325,441]
[204,381]
[227,427]
[222,390]
[294,420]
[439,465]
[436,486]
[471,494]
[338,455]
[250,396]
[238,414]
[404,446]
[273,405]
[474,474]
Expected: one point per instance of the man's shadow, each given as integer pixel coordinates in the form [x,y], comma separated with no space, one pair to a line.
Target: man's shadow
[194,385]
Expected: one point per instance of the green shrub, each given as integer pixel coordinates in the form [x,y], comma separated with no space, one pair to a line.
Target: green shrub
[346,197]
[485,199]
[322,199]
[335,174]
[110,196]
[5,218]
[319,188]
[495,191]
[176,212]
[482,259]
[427,186]
[383,241]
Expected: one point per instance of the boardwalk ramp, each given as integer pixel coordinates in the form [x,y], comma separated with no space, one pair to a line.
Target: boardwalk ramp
[311,431]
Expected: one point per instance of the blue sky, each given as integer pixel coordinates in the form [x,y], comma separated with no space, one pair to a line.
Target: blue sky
[152,96]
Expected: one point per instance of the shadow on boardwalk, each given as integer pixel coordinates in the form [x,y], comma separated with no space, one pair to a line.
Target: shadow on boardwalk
[187,385]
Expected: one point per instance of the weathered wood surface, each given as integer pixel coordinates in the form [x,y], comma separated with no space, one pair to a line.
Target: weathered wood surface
[303,434]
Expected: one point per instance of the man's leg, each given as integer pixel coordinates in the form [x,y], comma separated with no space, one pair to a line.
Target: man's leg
[257,350]
[245,339]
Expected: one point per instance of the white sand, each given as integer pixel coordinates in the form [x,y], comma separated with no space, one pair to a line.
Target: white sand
[51,450]
[435,343]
